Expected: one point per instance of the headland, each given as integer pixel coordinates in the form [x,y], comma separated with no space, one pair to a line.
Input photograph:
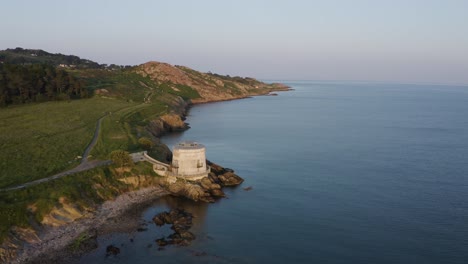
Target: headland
[146,101]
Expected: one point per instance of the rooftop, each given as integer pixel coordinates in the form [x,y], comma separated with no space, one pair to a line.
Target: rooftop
[189,145]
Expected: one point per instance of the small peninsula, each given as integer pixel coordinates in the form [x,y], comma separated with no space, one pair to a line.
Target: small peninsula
[60,112]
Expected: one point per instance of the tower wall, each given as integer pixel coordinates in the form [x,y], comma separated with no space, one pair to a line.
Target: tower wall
[189,160]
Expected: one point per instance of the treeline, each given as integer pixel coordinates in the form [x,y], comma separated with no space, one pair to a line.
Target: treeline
[31,56]
[22,56]
[20,84]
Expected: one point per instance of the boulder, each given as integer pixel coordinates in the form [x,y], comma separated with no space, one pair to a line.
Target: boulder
[194,192]
[162,242]
[158,220]
[181,222]
[215,186]
[217,193]
[206,183]
[230,179]
[176,188]
[112,250]
[187,235]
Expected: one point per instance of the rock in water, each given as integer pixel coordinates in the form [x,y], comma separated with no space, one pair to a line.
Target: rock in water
[158,220]
[181,222]
[217,193]
[161,242]
[112,250]
[207,189]
[230,179]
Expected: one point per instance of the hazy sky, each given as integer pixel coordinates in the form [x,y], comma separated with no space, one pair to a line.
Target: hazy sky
[382,40]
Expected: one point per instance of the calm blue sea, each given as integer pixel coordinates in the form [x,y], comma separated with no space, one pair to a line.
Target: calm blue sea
[341,173]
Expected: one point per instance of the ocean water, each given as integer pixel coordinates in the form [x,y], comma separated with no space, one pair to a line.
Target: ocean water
[340,173]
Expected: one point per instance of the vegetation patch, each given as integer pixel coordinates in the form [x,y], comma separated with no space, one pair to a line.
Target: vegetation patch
[83,190]
[121,129]
[39,140]
[184,91]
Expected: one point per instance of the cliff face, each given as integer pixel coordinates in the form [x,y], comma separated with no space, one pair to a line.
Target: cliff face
[206,87]
[166,123]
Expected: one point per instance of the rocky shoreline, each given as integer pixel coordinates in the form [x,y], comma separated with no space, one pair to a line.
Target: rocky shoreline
[53,242]
[62,244]
[59,244]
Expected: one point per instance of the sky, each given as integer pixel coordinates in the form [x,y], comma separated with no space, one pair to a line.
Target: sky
[413,41]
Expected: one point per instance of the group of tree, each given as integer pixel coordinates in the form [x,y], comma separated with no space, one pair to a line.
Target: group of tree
[22,56]
[21,84]
[121,158]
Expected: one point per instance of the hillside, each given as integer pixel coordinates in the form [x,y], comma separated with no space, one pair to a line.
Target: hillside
[138,97]
[202,87]
[40,138]
[33,75]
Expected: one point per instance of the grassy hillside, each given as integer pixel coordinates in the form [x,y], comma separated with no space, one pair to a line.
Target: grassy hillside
[39,140]
[123,84]
[122,129]
[202,87]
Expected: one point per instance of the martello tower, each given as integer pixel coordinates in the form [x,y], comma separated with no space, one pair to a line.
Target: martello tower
[189,159]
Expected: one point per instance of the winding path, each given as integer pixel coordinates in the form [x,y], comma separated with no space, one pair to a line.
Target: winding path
[84,165]
[93,141]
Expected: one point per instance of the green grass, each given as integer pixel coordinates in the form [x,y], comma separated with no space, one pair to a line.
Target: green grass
[122,129]
[184,91]
[124,84]
[39,140]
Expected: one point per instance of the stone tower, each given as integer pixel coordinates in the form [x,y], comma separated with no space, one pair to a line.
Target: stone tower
[189,160]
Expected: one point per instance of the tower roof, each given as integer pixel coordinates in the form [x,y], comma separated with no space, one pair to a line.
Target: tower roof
[189,145]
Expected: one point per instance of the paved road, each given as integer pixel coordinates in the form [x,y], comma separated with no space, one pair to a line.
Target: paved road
[84,165]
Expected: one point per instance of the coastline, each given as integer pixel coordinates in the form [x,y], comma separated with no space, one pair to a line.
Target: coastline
[278,88]
[53,243]
[55,240]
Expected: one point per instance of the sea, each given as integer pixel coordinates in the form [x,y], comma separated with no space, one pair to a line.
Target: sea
[340,172]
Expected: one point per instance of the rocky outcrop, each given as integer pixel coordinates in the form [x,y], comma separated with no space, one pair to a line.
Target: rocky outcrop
[224,176]
[207,189]
[172,121]
[17,236]
[181,222]
[166,124]
[112,250]
[8,250]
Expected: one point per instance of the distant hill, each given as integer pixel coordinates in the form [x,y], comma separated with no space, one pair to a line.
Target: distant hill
[37,56]
[203,87]
[34,75]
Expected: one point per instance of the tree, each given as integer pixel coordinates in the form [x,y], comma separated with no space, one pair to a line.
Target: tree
[21,84]
[145,143]
[121,158]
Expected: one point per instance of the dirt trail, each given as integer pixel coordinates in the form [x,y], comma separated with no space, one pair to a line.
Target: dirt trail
[84,165]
